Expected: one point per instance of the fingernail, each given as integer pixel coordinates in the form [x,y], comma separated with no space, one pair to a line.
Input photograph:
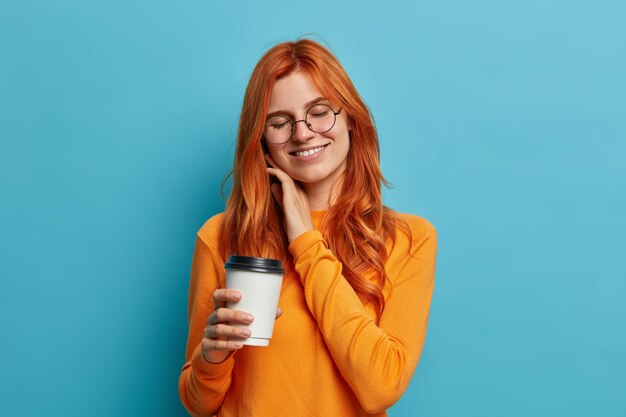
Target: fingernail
[248,318]
[238,345]
[236,296]
[245,332]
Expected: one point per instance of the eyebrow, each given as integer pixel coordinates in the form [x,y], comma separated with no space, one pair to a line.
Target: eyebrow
[306,105]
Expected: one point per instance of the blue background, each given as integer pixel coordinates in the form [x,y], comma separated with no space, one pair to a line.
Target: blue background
[500,122]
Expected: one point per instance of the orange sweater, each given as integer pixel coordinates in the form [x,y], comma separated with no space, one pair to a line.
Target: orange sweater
[327,356]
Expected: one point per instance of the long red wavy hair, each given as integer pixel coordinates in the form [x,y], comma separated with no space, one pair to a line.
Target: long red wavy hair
[358,225]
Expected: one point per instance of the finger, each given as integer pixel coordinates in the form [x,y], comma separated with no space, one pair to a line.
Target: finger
[279,312]
[221,330]
[279,174]
[223,295]
[287,184]
[270,160]
[277,192]
[222,315]
[216,344]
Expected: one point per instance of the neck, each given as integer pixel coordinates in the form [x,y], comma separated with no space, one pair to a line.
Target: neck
[322,195]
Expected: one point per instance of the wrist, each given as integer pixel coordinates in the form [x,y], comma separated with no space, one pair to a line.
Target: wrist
[296,234]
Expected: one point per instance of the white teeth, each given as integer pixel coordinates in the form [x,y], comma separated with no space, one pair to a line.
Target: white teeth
[309,152]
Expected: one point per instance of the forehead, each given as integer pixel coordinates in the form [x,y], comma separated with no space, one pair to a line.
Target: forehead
[292,92]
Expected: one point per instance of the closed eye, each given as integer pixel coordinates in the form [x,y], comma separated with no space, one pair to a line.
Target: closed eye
[279,125]
[320,114]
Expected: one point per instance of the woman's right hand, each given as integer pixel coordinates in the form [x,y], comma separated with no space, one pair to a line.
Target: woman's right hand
[220,336]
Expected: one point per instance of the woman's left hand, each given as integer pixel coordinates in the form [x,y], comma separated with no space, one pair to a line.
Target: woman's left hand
[292,200]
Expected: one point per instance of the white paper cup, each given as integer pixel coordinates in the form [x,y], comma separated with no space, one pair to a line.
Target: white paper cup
[259,281]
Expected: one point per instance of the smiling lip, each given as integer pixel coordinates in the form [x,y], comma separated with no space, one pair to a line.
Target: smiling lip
[309,153]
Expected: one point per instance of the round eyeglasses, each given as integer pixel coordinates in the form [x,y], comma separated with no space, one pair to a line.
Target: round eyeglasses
[319,118]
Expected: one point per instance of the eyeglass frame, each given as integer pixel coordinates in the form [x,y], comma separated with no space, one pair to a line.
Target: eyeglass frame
[293,124]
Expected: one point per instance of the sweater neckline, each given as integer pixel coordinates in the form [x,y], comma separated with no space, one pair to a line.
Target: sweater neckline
[318,213]
[317,216]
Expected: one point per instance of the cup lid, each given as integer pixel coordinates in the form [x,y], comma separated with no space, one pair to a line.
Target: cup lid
[251,263]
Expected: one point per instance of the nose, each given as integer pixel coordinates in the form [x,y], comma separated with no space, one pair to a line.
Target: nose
[301,132]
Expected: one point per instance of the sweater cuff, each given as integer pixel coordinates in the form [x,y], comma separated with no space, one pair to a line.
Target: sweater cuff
[300,245]
[210,370]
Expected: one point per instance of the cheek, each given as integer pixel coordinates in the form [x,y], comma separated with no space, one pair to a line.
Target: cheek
[278,155]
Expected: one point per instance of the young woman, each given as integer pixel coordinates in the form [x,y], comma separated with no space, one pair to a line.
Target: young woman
[359,276]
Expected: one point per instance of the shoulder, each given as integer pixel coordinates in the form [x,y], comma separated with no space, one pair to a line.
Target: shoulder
[211,230]
[413,231]
[418,225]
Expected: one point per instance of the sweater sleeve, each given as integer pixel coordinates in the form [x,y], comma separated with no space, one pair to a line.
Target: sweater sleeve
[377,361]
[202,385]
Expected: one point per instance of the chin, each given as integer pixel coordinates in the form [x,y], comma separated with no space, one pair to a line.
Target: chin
[308,179]
[316,177]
